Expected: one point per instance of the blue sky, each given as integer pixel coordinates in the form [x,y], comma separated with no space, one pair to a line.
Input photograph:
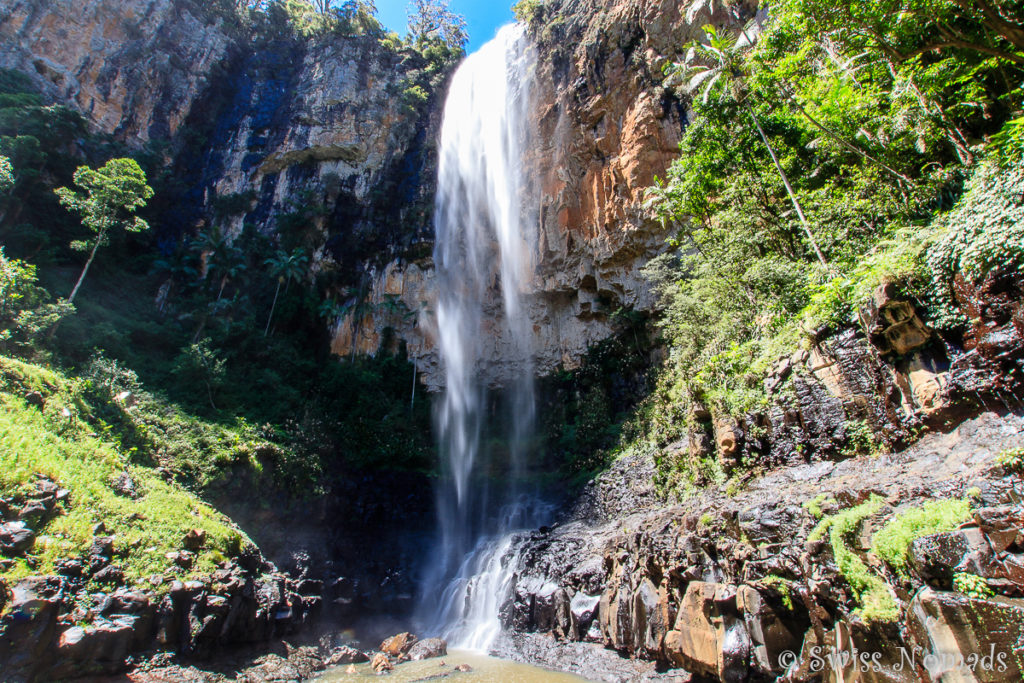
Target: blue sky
[483,17]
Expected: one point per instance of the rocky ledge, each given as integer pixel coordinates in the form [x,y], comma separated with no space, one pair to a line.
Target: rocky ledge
[744,585]
[52,628]
[910,554]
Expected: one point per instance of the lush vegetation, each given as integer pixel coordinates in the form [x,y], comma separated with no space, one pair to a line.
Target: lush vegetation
[892,542]
[876,601]
[61,437]
[840,146]
[231,367]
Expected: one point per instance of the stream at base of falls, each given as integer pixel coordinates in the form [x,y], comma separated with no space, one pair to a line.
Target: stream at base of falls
[483,669]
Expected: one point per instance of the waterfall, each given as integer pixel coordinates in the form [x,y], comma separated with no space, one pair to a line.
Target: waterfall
[485,241]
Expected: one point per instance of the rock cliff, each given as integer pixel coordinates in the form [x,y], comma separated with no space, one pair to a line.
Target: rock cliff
[256,123]
[604,127]
[912,548]
[135,68]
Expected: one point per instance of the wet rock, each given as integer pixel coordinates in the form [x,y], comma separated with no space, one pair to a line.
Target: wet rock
[381,664]
[771,632]
[398,645]
[464,668]
[29,627]
[194,540]
[953,627]
[709,635]
[347,655]
[584,611]
[729,440]
[938,557]
[428,649]
[892,322]
[15,539]
[98,649]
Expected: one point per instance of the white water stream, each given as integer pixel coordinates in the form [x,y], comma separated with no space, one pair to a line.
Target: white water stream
[485,241]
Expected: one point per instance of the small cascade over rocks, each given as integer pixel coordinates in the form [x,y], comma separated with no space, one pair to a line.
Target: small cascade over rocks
[484,256]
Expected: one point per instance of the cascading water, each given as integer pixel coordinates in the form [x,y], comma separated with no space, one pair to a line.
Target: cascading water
[484,244]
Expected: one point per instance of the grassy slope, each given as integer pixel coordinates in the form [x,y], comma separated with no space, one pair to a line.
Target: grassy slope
[61,442]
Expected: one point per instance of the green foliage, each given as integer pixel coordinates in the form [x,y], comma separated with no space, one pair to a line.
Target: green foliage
[877,603]
[814,506]
[57,442]
[983,233]
[892,542]
[431,21]
[528,11]
[781,585]
[25,309]
[414,97]
[201,365]
[1012,460]
[843,127]
[6,175]
[972,586]
[113,194]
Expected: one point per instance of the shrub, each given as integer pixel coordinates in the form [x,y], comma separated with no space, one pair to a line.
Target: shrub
[1012,460]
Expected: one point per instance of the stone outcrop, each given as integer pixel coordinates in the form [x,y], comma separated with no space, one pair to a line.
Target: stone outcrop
[50,632]
[730,587]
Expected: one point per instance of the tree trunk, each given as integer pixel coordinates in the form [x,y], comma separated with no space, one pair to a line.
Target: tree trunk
[95,247]
[272,307]
[789,190]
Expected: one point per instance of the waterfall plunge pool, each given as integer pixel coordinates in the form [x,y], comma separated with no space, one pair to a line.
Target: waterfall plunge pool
[485,669]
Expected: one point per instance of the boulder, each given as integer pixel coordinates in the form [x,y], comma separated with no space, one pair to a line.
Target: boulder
[709,636]
[29,627]
[97,649]
[892,323]
[399,645]
[428,649]
[771,633]
[381,664]
[15,538]
[936,558]
[349,655]
[952,628]
[729,439]
[194,540]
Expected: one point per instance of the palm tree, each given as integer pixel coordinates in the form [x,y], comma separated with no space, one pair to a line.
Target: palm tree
[286,267]
[719,62]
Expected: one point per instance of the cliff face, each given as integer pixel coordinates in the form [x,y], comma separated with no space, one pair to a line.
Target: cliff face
[256,126]
[135,68]
[604,127]
[319,130]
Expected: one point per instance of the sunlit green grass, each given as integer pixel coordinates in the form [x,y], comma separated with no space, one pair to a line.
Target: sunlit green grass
[57,443]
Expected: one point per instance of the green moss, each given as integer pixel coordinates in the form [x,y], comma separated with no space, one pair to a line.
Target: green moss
[814,506]
[58,443]
[781,585]
[892,542]
[972,586]
[876,601]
